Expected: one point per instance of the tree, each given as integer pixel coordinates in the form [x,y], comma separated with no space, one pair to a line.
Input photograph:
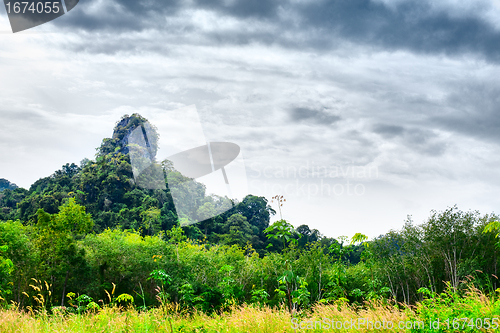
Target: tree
[6,268]
[151,220]
[6,185]
[307,235]
[283,231]
[237,230]
[450,236]
[20,250]
[256,210]
[56,241]
[493,227]
[9,200]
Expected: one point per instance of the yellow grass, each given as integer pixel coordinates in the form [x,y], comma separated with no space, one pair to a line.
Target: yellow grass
[241,319]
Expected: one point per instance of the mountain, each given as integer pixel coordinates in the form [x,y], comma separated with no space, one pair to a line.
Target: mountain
[6,185]
[107,189]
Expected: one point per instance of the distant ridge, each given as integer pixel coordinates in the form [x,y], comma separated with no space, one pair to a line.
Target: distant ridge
[6,185]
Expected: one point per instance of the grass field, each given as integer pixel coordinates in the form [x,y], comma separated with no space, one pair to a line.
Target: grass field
[448,309]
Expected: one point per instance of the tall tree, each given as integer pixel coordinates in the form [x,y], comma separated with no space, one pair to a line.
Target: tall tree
[56,242]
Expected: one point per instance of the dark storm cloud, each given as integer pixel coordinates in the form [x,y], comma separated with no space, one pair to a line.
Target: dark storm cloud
[482,126]
[411,25]
[120,15]
[256,8]
[422,141]
[131,15]
[474,110]
[388,131]
[23,115]
[319,25]
[313,116]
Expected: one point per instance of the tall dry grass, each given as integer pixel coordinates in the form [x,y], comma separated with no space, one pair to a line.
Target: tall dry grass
[248,318]
[240,319]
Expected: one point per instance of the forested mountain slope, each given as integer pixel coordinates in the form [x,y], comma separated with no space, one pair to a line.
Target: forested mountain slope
[106,187]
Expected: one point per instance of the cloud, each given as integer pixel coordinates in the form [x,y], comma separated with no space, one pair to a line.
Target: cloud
[119,15]
[416,26]
[388,131]
[473,110]
[313,116]
[419,140]
[424,142]
[329,83]
[261,9]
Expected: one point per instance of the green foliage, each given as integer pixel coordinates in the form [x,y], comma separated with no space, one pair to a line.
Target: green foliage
[342,252]
[6,185]
[160,276]
[449,246]
[293,289]
[71,219]
[337,284]
[259,296]
[151,220]
[236,231]
[106,187]
[21,252]
[163,279]
[190,300]
[359,238]
[9,200]
[495,228]
[282,231]
[227,285]
[176,235]
[123,257]
[301,296]
[124,299]
[56,237]
[6,268]
[466,311]
[83,303]
[171,268]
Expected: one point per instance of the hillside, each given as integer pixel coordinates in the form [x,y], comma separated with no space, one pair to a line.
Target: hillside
[6,185]
[106,187]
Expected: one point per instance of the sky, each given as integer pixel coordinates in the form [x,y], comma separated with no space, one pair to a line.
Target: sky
[359,112]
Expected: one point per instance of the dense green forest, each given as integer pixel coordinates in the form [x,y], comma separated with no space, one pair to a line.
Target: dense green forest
[87,236]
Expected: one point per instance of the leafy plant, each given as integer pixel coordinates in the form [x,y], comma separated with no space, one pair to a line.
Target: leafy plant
[301,296]
[190,299]
[84,302]
[227,285]
[294,289]
[162,279]
[125,299]
[282,231]
[6,268]
[493,227]
[259,296]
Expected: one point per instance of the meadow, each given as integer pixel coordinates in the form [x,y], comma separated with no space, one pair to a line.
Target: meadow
[447,312]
